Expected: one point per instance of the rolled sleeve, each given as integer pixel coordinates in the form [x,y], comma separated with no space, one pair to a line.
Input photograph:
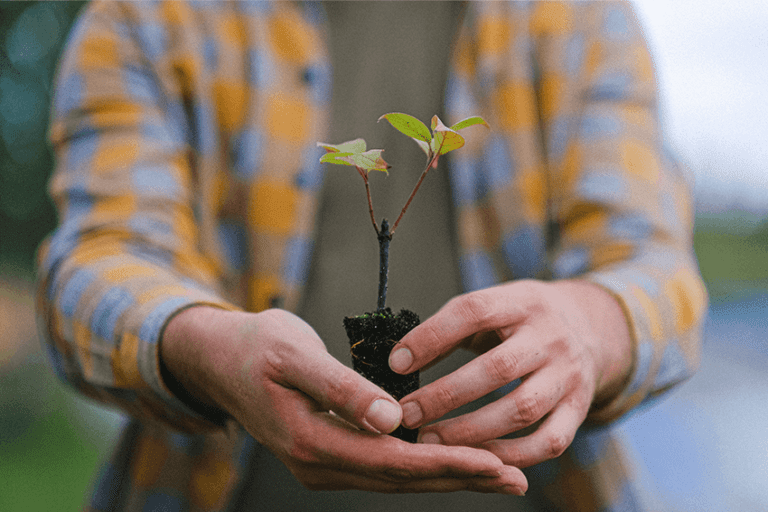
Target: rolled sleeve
[623,208]
[125,258]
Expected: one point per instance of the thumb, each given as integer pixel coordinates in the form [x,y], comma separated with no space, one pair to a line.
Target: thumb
[342,390]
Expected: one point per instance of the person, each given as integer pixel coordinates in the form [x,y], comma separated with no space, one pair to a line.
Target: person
[179,285]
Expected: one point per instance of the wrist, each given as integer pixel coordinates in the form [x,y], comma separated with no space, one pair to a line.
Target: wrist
[609,335]
[187,360]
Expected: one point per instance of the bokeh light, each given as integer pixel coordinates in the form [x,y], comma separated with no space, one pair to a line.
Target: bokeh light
[35,36]
[31,38]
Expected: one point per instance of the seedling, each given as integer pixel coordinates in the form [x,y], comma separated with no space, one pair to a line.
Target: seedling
[440,141]
[373,335]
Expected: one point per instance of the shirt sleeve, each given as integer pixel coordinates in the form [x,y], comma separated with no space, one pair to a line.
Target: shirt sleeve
[621,204]
[125,257]
[577,157]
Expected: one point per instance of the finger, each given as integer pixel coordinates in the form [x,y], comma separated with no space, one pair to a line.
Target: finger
[323,439]
[549,441]
[511,360]
[340,389]
[384,456]
[323,442]
[524,406]
[512,481]
[480,311]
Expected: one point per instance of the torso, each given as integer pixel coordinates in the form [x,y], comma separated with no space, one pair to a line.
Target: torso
[387,56]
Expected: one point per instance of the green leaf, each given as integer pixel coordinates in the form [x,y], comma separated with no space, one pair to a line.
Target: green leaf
[351,146]
[470,121]
[336,158]
[411,127]
[445,139]
[369,160]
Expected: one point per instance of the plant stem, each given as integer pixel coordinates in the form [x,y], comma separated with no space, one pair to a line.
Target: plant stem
[413,193]
[385,236]
[368,194]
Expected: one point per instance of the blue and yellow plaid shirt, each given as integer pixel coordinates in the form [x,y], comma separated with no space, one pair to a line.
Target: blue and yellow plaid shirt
[187,173]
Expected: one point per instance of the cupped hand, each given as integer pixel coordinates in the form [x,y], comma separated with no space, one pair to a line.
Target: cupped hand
[325,422]
[567,341]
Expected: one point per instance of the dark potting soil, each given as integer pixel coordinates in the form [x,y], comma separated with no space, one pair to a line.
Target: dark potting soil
[372,337]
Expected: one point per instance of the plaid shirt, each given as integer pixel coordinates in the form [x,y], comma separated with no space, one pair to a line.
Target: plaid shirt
[187,173]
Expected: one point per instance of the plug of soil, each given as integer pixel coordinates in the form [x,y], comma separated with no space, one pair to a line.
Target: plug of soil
[372,337]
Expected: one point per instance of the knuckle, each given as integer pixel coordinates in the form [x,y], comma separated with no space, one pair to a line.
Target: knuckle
[280,362]
[561,337]
[340,391]
[536,302]
[464,433]
[528,409]
[274,364]
[304,453]
[556,444]
[446,399]
[305,448]
[475,307]
[502,366]
[432,336]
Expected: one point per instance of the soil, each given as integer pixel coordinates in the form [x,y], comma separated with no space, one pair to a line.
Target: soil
[372,337]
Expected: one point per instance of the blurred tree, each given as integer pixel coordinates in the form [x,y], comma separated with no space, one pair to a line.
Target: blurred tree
[32,35]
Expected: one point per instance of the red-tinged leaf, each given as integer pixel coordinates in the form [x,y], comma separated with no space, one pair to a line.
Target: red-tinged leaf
[444,138]
[470,121]
[411,127]
[424,146]
[351,146]
[368,161]
[336,158]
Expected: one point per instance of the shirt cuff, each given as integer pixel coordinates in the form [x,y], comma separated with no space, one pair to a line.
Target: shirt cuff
[634,391]
[162,397]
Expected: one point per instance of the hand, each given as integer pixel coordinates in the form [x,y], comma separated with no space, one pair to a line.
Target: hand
[567,340]
[272,373]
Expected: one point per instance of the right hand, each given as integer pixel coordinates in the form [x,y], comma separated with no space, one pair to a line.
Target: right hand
[325,422]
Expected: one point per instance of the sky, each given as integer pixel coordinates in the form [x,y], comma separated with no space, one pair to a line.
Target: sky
[712,59]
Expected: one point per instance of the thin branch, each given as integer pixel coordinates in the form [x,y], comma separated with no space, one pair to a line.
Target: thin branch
[368,194]
[415,189]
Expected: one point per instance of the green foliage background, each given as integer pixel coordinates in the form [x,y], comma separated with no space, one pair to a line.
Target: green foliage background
[50,439]
[31,37]
[733,255]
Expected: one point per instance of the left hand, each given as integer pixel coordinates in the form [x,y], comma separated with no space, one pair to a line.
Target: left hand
[568,341]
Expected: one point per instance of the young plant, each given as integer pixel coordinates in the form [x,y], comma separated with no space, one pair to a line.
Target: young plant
[373,335]
[439,141]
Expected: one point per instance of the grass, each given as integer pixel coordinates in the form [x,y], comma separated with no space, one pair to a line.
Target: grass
[732,262]
[49,469]
[50,441]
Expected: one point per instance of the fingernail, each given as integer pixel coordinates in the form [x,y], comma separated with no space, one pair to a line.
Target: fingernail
[513,489]
[430,438]
[412,414]
[383,415]
[400,360]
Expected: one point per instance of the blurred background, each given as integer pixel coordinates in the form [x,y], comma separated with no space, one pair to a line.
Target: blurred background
[705,446]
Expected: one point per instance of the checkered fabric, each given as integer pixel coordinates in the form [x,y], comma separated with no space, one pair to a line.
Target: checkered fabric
[188,174]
